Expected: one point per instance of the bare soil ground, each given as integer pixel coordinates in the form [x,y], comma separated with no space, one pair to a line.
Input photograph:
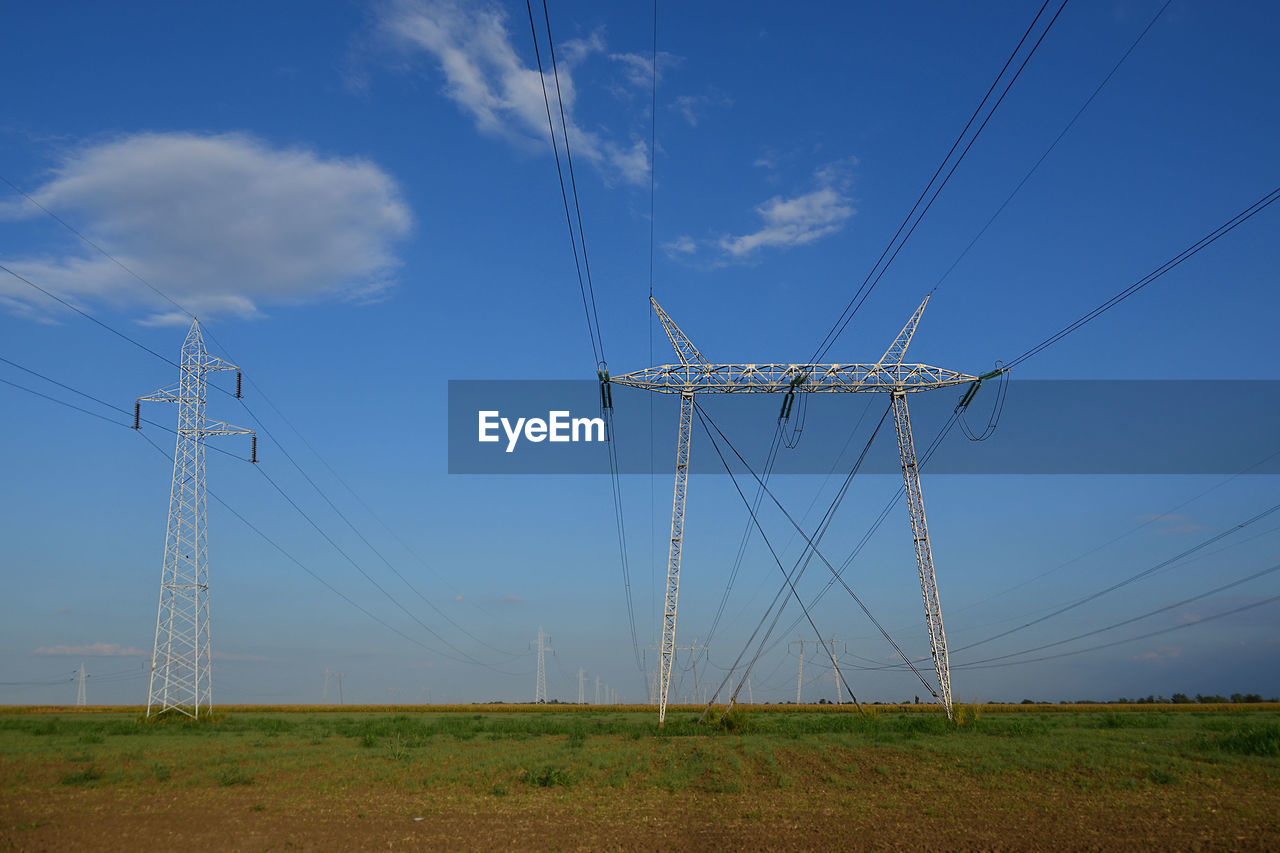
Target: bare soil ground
[70,788]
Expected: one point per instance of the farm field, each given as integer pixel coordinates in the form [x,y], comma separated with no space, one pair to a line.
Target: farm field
[590,778]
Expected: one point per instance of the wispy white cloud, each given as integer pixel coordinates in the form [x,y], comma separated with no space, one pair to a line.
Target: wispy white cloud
[93,650]
[638,67]
[787,221]
[790,222]
[223,224]
[504,96]
[683,245]
[694,107]
[800,219]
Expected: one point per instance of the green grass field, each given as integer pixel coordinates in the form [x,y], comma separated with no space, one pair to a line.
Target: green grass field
[589,777]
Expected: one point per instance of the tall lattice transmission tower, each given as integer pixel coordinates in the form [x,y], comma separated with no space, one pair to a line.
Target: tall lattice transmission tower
[891,375]
[181,679]
[540,690]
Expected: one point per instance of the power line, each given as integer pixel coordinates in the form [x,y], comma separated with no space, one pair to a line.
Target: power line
[587,290]
[895,245]
[91,397]
[597,350]
[788,581]
[369,544]
[89,316]
[1151,520]
[875,525]
[1189,252]
[1178,627]
[1163,564]
[465,658]
[301,565]
[811,544]
[1131,620]
[1054,144]
[256,530]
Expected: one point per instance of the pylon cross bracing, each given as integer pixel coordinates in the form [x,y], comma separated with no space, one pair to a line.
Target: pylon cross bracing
[694,374]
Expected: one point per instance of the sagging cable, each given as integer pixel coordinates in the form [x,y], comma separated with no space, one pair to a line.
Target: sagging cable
[997,407]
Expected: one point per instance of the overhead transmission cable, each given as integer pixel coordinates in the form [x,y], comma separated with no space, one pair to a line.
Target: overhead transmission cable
[1146,523]
[468,658]
[1163,564]
[1273,599]
[921,207]
[787,579]
[1187,253]
[808,540]
[653,169]
[875,526]
[891,251]
[1129,621]
[1018,187]
[587,291]
[303,566]
[1140,575]
[465,657]
[801,566]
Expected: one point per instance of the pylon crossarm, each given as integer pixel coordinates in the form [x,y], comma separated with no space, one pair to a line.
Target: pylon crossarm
[164,395]
[858,378]
[221,428]
[212,362]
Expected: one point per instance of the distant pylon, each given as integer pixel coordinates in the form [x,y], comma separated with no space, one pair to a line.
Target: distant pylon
[582,693]
[181,679]
[799,670]
[80,698]
[540,690]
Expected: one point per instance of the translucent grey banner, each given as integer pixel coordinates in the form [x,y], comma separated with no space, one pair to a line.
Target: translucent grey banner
[1046,427]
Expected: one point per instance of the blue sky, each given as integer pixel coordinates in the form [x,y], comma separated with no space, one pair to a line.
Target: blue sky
[361,204]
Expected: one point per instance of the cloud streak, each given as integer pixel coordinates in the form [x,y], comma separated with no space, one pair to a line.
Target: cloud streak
[114,650]
[790,222]
[223,224]
[489,81]
[786,221]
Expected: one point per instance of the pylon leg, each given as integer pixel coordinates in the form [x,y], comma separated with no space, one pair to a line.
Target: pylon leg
[673,561]
[924,553]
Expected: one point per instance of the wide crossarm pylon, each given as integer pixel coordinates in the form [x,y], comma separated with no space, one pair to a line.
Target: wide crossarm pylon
[181,679]
[891,374]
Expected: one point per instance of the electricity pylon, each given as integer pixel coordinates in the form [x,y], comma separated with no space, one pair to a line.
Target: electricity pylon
[181,679]
[80,697]
[888,375]
[582,693]
[540,690]
[835,665]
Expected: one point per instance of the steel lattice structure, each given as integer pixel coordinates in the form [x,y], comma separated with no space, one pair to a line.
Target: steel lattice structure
[540,688]
[694,374]
[181,679]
